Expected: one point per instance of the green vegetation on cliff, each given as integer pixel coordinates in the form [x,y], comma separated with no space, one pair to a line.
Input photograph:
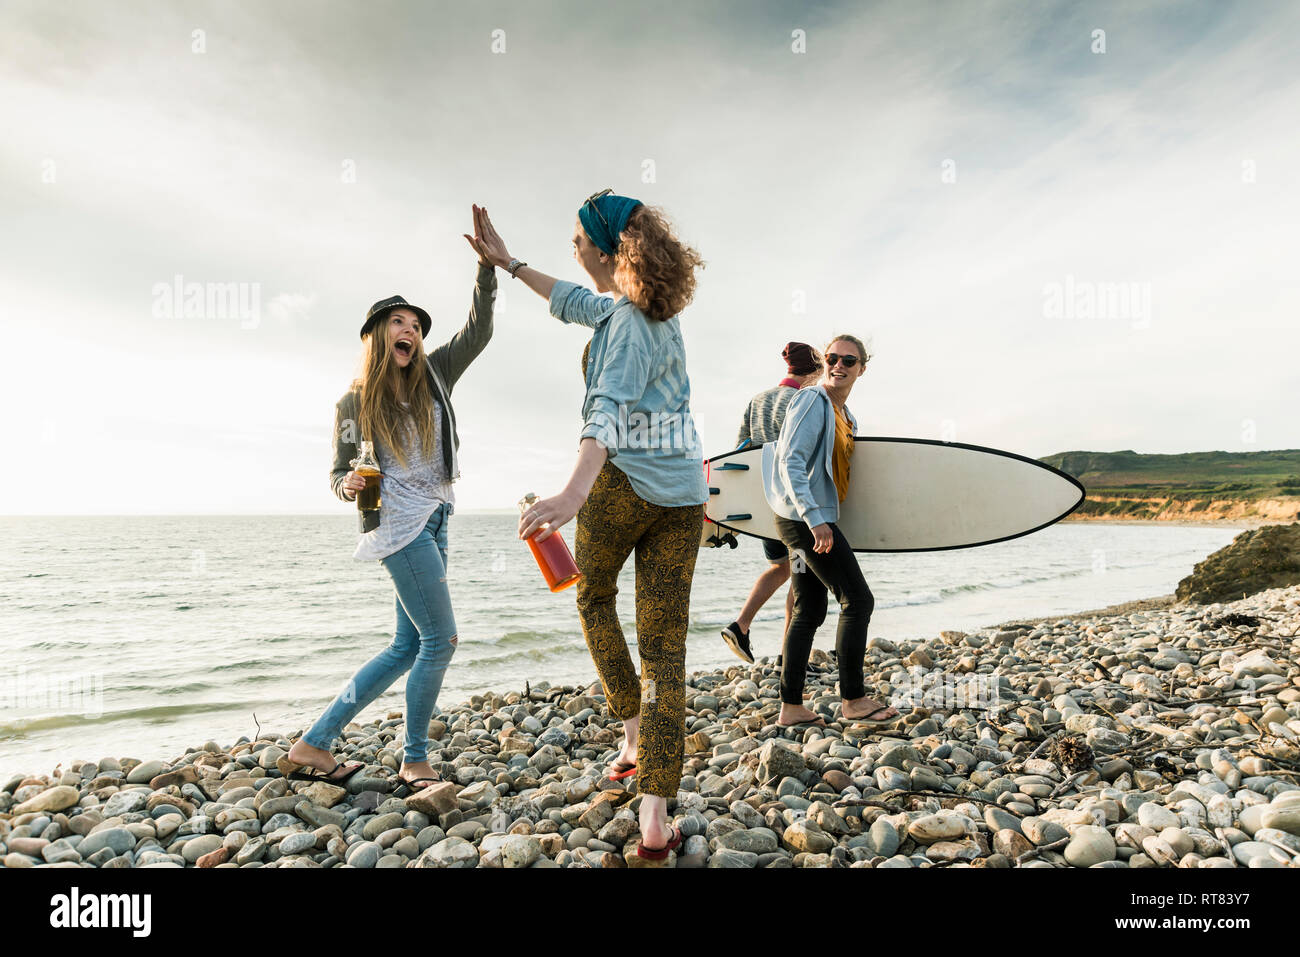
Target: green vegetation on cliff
[1132,485]
[1247,474]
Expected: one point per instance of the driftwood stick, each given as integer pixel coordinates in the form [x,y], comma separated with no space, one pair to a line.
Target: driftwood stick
[1064,785]
[1033,852]
[1224,843]
[1033,754]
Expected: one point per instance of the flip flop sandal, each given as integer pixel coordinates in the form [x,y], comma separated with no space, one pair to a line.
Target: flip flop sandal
[876,721]
[315,774]
[651,854]
[618,771]
[811,723]
[414,784]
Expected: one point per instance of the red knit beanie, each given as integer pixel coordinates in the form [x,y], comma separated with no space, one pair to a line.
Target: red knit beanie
[800,359]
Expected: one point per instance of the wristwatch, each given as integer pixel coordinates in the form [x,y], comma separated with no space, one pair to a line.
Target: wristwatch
[514,266]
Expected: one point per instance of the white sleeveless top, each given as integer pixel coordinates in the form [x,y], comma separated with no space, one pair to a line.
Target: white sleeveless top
[408,495]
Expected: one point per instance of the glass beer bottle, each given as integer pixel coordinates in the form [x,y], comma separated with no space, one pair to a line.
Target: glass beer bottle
[553,555]
[367,466]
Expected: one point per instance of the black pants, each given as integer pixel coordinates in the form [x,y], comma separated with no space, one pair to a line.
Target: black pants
[812,573]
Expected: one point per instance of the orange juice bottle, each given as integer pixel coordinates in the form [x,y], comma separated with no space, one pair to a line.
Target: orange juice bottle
[553,556]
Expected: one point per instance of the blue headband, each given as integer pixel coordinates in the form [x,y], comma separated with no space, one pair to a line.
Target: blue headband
[615,210]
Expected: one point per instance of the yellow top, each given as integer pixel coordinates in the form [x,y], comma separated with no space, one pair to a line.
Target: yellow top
[842,453]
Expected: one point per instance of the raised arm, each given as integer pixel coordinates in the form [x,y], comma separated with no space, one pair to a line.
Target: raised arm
[453,357]
[487,242]
[566,300]
[570,302]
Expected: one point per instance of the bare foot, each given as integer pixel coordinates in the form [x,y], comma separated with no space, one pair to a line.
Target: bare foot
[797,714]
[655,831]
[655,836]
[868,709]
[631,735]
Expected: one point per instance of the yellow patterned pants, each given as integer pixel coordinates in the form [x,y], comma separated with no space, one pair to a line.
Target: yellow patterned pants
[613,523]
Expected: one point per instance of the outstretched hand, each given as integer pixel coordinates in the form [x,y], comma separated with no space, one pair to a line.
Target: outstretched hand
[486,242]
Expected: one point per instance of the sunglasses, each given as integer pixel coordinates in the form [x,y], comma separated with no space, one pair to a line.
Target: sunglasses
[848,361]
[596,209]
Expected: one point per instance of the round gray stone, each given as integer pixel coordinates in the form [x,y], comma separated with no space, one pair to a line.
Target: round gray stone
[998,819]
[196,847]
[364,854]
[299,843]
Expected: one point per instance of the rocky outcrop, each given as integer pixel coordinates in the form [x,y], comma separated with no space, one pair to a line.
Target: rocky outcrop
[1256,560]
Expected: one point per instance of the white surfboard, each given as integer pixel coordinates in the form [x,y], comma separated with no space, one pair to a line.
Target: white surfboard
[905,495]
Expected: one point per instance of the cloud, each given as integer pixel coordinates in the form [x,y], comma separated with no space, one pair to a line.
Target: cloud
[291,307]
[331,154]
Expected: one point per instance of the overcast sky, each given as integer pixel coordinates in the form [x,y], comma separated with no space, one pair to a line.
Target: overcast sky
[953,182]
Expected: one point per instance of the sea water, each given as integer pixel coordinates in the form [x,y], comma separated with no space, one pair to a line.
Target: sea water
[141,636]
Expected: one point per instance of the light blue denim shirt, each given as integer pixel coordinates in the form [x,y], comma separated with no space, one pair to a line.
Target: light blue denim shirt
[798,476]
[638,401]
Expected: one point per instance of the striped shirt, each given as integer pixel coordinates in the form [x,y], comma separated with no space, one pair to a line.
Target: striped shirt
[764,415]
[409,493]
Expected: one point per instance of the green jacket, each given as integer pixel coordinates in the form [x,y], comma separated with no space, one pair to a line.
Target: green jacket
[444,366]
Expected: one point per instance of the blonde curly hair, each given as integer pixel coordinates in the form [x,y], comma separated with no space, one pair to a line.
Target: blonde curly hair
[655,269]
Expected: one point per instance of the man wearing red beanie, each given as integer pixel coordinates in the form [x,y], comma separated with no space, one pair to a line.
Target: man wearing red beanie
[763,418]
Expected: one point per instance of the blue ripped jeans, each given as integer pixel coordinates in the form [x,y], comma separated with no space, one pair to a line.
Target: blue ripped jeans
[423,643]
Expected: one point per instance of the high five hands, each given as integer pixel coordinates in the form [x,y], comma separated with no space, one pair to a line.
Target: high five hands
[486,242]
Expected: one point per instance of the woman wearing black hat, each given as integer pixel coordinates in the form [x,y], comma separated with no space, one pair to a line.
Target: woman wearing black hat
[402,406]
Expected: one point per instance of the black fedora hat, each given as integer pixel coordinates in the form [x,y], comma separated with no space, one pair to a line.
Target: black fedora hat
[384,306]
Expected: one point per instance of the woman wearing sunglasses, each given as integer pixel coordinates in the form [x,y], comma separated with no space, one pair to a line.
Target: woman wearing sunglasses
[805,477]
[633,488]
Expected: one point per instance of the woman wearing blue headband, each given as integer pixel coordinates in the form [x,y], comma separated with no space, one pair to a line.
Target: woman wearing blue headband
[633,489]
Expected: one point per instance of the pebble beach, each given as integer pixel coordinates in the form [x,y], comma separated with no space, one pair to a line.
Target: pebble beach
[1155,735]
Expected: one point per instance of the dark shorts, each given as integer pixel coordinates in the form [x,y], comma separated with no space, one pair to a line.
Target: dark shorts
[775,551]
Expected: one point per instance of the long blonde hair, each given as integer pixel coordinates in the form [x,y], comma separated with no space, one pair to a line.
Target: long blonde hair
[653,267]
[382,419]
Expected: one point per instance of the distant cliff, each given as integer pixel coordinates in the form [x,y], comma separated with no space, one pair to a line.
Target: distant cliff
[1192,486]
